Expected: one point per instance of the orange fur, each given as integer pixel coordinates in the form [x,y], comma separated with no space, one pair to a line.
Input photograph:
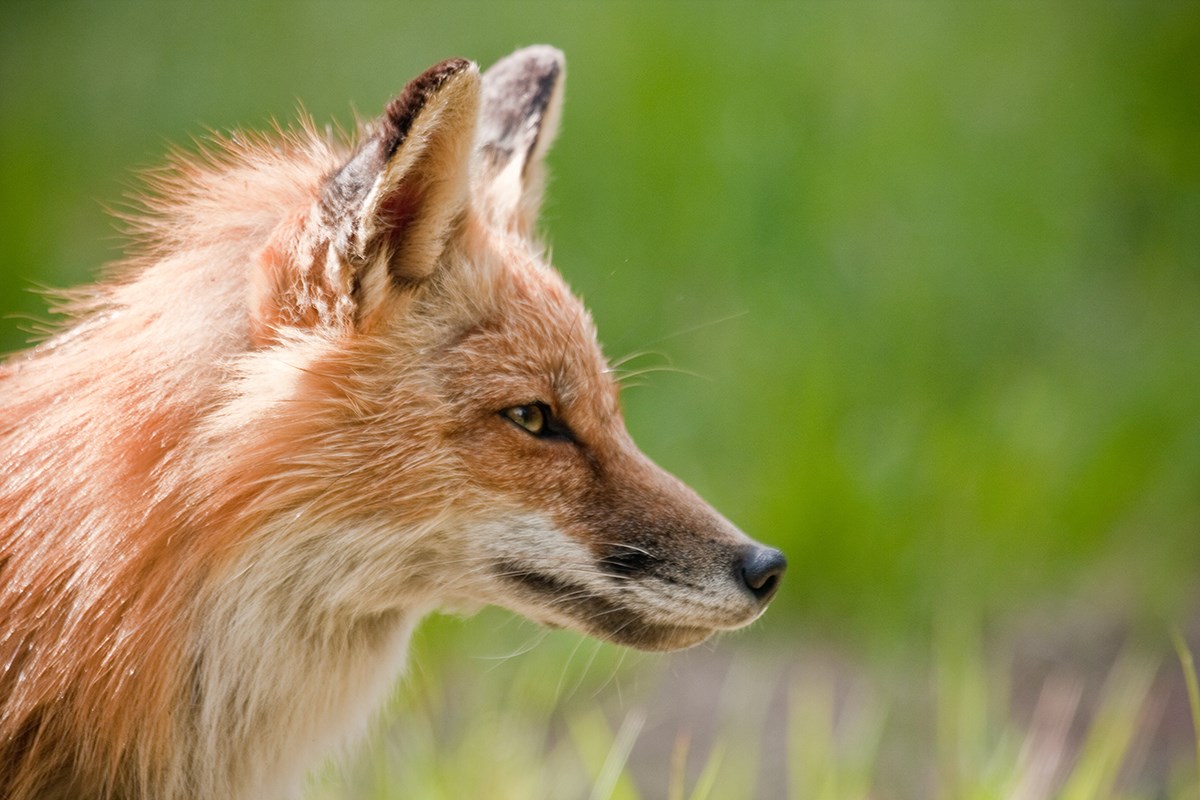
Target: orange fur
[277,436]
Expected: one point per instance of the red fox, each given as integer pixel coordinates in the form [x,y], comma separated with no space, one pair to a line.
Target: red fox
[332,389]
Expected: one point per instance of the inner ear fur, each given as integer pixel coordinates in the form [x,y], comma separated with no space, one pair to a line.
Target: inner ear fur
[518,120]
[420,159]
[382,220]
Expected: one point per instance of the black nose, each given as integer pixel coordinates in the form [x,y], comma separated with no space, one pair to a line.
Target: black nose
[762,568]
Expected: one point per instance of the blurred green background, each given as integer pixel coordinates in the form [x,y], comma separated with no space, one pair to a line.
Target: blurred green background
[917,287]
[925,278]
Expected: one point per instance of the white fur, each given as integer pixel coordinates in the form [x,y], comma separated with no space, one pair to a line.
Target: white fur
[300,618]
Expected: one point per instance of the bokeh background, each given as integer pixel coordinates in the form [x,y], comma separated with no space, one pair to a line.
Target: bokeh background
[916,288]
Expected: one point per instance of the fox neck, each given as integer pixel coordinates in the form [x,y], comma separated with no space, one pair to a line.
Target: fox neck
[291,658]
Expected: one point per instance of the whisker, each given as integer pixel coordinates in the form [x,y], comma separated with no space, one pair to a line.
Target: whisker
[622,379]
[558,696]
[531,644]
[701,326]
[628,546]
[622,376]
[616,365]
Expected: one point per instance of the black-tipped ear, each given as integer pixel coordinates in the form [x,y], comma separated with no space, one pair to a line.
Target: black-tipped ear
[397,196]
[518,119]
[382,220]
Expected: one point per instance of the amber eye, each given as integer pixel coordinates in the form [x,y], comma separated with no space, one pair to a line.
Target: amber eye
[532,417]
[538,420]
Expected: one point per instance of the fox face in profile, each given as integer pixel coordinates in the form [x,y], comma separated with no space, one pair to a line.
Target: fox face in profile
[334,389]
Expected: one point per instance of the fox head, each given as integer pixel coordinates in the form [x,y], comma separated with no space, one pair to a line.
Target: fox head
[443,411]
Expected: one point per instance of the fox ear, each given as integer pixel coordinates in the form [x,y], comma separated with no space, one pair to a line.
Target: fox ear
[518,119]
[382,219]
[400,192]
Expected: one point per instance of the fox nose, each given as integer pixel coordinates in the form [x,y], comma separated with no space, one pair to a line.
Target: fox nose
[761,569]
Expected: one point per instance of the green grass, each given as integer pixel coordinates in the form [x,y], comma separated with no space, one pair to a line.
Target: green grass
[800,725]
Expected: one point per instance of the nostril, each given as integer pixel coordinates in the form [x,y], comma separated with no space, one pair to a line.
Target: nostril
[762,569]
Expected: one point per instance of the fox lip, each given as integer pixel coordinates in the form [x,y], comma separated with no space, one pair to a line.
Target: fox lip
[576,604]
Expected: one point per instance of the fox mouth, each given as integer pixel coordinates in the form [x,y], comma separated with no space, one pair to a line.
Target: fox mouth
[601,615]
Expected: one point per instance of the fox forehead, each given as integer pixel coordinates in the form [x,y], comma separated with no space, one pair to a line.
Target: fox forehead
[531,341]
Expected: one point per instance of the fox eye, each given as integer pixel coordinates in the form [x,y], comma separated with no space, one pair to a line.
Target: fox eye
[531,417]
[538,420]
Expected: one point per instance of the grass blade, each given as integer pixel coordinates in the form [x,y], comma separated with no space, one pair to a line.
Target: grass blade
[1193,690]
